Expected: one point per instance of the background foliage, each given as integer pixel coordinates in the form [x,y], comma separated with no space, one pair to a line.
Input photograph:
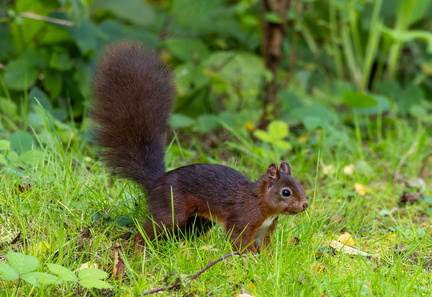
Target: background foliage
[372,56]
[353,116]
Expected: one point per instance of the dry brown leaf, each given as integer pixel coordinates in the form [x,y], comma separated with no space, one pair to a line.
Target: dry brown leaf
[426,169]
[119,265]
[294,240]
[318,268]
[85,233]
[410,198]
[24,187]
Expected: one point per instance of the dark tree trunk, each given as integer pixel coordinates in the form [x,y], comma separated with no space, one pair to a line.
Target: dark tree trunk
[273,35]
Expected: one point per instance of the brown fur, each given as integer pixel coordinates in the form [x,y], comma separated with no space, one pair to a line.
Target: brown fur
[133,97]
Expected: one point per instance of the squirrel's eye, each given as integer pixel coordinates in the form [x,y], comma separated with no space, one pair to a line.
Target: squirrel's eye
[286,193]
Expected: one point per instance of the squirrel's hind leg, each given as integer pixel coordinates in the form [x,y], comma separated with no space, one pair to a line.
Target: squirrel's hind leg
[195,227]
[162,225]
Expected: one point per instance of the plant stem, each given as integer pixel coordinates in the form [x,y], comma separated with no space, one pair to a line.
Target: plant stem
[404,14]
[372,45]
[335,44]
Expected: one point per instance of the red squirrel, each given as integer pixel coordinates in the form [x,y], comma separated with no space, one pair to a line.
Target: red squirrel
[133,95]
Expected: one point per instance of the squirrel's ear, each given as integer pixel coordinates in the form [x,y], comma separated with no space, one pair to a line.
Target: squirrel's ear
[272,172]
[285,168]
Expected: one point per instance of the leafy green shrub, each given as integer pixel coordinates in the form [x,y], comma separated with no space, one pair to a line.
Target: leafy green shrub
[24,267]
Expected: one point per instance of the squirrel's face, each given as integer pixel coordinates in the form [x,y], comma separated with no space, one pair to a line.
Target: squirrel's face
[283,194]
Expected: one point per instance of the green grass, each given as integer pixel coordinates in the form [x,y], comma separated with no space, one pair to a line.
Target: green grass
[70,192]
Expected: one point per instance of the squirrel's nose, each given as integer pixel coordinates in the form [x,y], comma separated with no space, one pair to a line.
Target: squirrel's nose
[305,205]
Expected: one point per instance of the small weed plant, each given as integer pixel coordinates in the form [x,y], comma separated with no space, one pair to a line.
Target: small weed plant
[23,267]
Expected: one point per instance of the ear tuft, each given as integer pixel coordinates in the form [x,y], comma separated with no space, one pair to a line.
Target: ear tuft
[272,172]
[285,168]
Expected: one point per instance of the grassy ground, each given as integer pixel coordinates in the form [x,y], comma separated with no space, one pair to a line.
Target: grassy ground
[354,182]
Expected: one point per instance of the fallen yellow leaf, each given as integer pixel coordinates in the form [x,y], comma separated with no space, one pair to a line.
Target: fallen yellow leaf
[87,265]
[346,239]
[44,246]
[350,250]
[349,169]
[328,169]
[360,189]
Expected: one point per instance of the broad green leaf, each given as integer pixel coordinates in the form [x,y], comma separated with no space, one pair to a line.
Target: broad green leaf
[181,121]
[39,6]
[53,82]
[61,61]
[284,145]
[112,28]
[55,35]
[238,74]
[134,11]
[124,220]
[8,108]
[383,104]
[95,283]
[421,10]
[228,118]
[189,77]
[83,75]
[250,20]
[312,123]
[21,141]
[408,12]
[39,278]
[92,273]
[187,49]
[32,158]
[19,75]
[38,97]
[428,200]
[262,135]
[358,100]
[313,116]
[273,18]
[2,160]
[63,273]
[4,145]
[35,120]
[13,157]
[206,123]
[22,263]
[388,89]
[3,293]
[278,130]
[5,43]
[85,36]
[79,10]
[410,96]
[7,272]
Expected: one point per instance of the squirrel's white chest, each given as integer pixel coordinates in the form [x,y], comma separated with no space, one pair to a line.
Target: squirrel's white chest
[262,230]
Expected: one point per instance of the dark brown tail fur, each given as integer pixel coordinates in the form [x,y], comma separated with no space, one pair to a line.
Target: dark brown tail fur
[133,93]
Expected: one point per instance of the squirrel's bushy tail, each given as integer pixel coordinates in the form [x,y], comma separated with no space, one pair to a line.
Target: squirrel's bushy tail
[133,94]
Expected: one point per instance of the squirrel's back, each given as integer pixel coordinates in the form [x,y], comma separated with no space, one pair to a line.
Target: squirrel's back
[133,94]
